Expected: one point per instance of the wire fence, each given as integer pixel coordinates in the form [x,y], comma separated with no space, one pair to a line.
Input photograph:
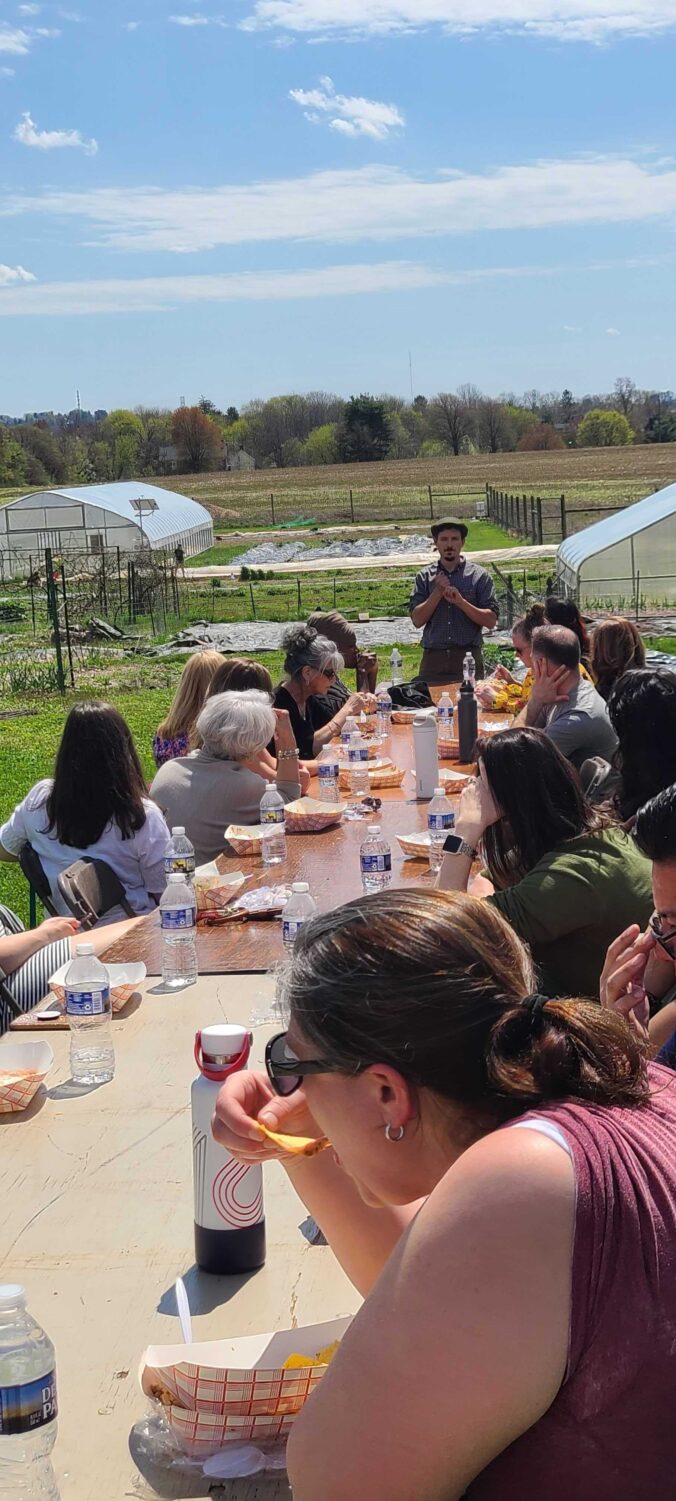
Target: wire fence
[549,519]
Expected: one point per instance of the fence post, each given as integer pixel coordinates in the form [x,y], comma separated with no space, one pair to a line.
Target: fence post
[272,508]
[564,531]
[66,626]
[351,508]
[525,515]
[511,515]
[539,506]
[510,601]
[638,594]
[104,591]
[119,578]
[253,601]
[32,588]
[53,608]
[533,533]
[429,492]
[298,593]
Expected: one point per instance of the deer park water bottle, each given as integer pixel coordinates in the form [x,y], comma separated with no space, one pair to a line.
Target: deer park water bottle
[440,822]
[358,759]
[28,1405]
[396,665]
[179,856]
[89,1012]
[469,669]
[273,846]
[375,860]
[468,720]
[328,767]
[229,1213]
[348,729]
[445,716]
[298,910]
[384,712]
[178,920]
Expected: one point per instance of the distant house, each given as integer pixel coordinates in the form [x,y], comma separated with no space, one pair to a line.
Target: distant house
[237,458]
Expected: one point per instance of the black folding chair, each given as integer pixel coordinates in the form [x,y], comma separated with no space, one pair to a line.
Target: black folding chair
[7,999]
[32,868]
[90,889]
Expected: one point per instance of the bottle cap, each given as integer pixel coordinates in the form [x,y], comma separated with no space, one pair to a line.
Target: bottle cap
[223,1041]
[177,829]
[300,886]
[438,792]
[83,949]
[374,828]
[176,876]
[12,1295]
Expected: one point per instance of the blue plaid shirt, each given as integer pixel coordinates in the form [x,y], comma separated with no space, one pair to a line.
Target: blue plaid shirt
[448,626]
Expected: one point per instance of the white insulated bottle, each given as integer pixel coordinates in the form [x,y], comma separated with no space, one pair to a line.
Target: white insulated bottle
[426,758]
[229,1211]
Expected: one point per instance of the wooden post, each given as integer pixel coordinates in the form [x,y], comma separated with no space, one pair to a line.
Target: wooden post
[638,593]
[253,600]
[272,508]
[429,492]
[525,516]
[533,532]
[66,626]
[32,589]
[300,606]
[564,532]
[351,508]
[52,605]
[539,506]
[119,578]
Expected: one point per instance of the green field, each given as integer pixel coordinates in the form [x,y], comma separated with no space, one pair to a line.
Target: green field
[482,534]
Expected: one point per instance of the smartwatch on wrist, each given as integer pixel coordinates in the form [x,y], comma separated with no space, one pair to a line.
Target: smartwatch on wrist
[454,845]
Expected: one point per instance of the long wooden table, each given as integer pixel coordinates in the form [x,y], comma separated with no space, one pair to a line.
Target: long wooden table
[97,1223]
[329,861]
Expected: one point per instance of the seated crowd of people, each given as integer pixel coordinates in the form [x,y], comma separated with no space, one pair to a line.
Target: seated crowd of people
[532,1270]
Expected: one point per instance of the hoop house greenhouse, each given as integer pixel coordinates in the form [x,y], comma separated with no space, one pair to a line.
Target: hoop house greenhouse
[624,557]
[130,514]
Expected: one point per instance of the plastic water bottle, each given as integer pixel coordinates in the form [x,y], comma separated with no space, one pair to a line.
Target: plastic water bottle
[329,769]
[273,847]
[229,1211]
[348,730]
[298,910]
[440,823]
[178,919]
[469,669]
[358,759]
[445,716]
[179,855]
[384,710]
[375,859]
[396,665]
[28,1405]
[89,1012]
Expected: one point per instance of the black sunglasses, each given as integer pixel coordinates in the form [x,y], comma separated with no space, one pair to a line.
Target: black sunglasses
[286,1072]
[664,939]
[328,672]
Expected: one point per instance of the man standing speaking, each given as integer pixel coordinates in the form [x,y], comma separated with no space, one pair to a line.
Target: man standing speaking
[455,602]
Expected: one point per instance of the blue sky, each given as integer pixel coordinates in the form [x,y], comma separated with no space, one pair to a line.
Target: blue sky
[256,196]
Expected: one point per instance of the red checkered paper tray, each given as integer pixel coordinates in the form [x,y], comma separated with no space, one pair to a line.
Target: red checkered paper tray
[235,1391]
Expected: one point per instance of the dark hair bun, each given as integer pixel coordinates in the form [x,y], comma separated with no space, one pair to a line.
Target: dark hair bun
[298,638]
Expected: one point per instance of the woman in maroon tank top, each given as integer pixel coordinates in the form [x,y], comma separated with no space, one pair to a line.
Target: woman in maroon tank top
[517,1341]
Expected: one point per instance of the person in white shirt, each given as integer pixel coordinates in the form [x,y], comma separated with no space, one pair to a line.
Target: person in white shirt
[94,805]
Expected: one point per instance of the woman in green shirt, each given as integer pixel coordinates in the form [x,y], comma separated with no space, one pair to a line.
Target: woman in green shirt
[565,877]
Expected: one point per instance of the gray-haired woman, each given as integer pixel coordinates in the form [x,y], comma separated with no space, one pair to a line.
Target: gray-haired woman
[312,663]
[214,786]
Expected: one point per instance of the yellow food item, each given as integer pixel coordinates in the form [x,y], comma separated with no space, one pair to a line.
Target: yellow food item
[298,1146]
[304,1362]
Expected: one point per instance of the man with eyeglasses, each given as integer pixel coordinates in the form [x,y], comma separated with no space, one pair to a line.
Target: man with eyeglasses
[639,977]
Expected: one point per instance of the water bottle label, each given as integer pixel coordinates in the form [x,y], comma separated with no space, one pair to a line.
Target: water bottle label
[177,919]
[440,821]
[358,753]
[88,1002]
[272,815]
[328,772]
[377,863]
[291,927]
[182,865]
[27,1407]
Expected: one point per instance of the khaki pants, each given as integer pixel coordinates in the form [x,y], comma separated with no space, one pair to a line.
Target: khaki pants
[445,666]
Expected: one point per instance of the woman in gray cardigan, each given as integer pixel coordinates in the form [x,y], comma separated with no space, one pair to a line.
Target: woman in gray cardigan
[214,787]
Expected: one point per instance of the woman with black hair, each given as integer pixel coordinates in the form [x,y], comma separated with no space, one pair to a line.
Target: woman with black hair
[560,872]
[95,804]
[500,1188]
[565,612]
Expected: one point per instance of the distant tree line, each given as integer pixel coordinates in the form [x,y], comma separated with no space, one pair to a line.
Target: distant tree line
[318,428]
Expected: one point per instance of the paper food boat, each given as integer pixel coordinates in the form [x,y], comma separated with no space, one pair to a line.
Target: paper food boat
[235,1391]
[213,890]
[379,776]
[307,815]
[448,750]
[454,781]
[124,982]
[415,846]
[23,1067]
[245,839]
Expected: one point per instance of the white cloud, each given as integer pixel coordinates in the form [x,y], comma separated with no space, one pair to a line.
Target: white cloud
[27,134]
[593,21]
[366,204]
[7,72]
[132,25]
[29,10]
[198,20]
[349,115]
[571,328]
[9,275]
[613,332]
[14,39]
